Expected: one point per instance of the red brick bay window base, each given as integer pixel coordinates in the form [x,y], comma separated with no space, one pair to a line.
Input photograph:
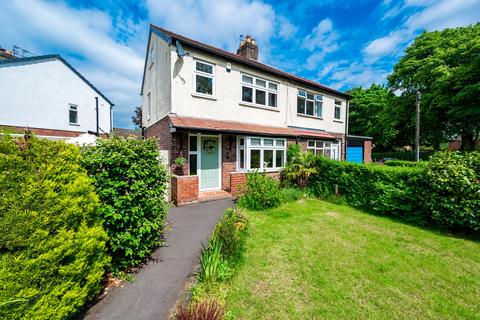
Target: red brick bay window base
[184,189]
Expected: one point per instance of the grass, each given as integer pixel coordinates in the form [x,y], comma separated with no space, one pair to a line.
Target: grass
[312,259]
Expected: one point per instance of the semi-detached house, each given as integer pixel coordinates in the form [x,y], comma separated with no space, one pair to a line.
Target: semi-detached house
[227,114]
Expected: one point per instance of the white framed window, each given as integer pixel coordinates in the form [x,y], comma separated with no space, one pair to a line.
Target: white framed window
[73,114]
[326,148]
[152,55]
[204,78]
[257,153]
[149,106]
[193,154]
[259,91]
[309,104]
[338,110]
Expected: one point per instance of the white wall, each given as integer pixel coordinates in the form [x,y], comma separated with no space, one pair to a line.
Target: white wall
[38,95]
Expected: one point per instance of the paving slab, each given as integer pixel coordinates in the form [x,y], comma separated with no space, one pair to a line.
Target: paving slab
[158,285]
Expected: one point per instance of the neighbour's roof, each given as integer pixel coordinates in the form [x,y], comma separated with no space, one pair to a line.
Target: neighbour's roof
[169,36]
[49,57]
[220,126]
[123,132]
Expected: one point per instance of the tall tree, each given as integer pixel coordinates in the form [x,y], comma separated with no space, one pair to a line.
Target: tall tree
[137,117]
[445,67]
[369,115]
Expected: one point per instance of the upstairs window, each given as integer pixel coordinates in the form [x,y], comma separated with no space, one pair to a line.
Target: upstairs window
[338,108]
[204,78]
[259,91]
[73,114]
[309,104]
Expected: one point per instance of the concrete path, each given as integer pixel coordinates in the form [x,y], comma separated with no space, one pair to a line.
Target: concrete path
[159,284]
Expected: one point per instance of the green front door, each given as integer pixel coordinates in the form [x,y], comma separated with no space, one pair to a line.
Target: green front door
[210,173]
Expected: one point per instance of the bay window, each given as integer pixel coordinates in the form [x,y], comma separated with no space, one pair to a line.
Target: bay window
[259,91]
[267,154]
[204,78]
[328,149]
[309,104]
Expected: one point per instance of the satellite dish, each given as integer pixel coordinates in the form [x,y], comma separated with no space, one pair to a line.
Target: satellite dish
[180,50]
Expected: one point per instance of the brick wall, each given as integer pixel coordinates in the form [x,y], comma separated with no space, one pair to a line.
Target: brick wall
[367,151]
[184,189]
[229,159]
[236,179]
[179,148]
[44,132]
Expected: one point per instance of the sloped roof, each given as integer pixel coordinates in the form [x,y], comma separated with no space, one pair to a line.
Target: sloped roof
[49,57]
[169,36]
[243,128]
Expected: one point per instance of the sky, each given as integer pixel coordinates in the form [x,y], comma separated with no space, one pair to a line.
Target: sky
[341,44]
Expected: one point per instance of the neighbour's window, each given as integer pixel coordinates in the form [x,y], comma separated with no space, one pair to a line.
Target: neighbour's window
[259,91]
[204,78]
[261,153]
[329,149]
[192,154]
[152,55]
[73,114]
[338,108]
[149,101]
[309,104]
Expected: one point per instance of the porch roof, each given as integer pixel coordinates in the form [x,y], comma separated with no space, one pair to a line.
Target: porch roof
[220,126]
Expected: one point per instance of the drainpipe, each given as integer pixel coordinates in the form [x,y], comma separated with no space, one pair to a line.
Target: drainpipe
[346,130]
[96,111]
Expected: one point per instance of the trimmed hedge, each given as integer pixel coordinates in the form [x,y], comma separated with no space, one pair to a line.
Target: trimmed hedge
[404,163]
[52,246]
[131,184]
[445,190]
[402,155]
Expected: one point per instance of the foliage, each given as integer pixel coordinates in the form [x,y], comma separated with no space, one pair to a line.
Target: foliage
[203,310]
[401,155]
[370,114]
[291,194]
[230,231]
[211,261]
[180,161]
[137,117]
[404,163]
[52,246]
[131,184]
[300,166]
[259,192]
[453,195]
[445,67]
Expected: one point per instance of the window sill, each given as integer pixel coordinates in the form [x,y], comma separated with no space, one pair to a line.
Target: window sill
[307,116]
[204,96]
[259,170]
[74,124]
[339,121]
[252,105]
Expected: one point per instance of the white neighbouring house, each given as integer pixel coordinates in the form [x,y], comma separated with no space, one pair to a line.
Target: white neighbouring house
[228,114]
[51,98]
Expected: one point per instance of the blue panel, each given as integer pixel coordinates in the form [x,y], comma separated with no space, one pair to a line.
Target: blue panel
[355,154]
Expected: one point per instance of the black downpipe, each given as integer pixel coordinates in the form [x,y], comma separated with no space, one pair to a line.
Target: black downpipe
[96,110]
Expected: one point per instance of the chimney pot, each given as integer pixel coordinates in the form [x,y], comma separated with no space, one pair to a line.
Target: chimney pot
[248,48]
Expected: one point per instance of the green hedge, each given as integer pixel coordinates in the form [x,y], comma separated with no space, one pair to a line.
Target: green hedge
[445,190]
[404,163]
[131,184]
[402,155]
[52,246]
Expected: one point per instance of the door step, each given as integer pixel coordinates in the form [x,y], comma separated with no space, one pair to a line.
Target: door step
[204,196]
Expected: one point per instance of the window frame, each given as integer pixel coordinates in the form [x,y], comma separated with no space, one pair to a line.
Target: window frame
[337,106]
[248,147]
[335,148]
[203,74]
[196,152]
[267,89]
[73,107]
[316,98]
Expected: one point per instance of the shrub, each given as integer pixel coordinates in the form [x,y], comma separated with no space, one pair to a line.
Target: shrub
[231,232]
[300,166]
[260,192]
[211,261]
[453,195]
[404,163]
[402,155]
[131,184]
[203,310]
[292,194]
[52,246]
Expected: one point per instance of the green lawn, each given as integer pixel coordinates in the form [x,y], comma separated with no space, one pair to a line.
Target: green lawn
[317,260]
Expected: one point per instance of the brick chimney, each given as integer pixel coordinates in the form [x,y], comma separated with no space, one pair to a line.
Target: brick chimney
[248,48]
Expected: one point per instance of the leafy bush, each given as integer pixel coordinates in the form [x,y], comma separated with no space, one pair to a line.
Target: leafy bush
[453,195]
[131,184]
[52,246]
[230,231]
[203,310]
[404,163]
[260,192]
[402,155]
[291,194]
[211,261]
[300,166]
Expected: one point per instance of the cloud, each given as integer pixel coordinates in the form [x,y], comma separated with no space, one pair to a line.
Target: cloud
[322,40]
[383,46]
[287,29]
[356,74]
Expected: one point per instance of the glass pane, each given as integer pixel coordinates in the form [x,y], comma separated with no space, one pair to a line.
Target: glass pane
[247,79]
[204,85]
[73,116]
[193,143]
[309,110]
[318,108]
[327,153]
[242,141]
[272,86]
[279,158]
[242,159]
[309,96]
[338,102]
[318,97]
[268,158]
[203,67]
[247,94]
[327,144]
[272,99]
[260,97]
[255,141]
[302,93]
[337,113]
[301,105]
[193,164]
[319,144]
[261,83]
[254,159]
[311,143]
[280,143]
[268,142]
